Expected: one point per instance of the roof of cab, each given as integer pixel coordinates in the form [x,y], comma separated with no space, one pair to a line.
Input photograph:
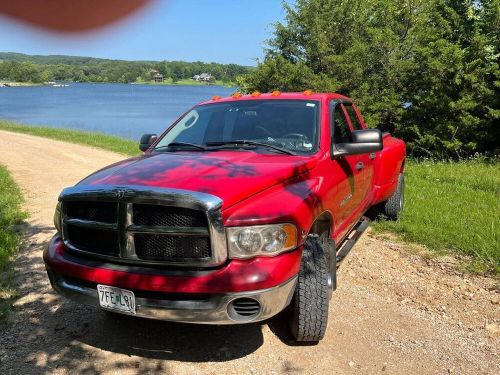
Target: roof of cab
[276,95]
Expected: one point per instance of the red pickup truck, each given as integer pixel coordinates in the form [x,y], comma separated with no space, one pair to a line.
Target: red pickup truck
[242,209]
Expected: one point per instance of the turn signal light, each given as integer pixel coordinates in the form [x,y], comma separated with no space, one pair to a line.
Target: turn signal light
[236,95]
[255,94]
[308,92]
[216,97]
[276,93]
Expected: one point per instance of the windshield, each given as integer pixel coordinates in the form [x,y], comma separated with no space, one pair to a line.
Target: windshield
[291,125]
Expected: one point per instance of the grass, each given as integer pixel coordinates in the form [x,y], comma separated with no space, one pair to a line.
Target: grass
[99,140]
[186,82]
[21,84]
[453,208]
[166,82]
[11,216]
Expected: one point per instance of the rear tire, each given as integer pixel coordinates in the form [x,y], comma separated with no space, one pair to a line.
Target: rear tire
[308,316]
[393,207]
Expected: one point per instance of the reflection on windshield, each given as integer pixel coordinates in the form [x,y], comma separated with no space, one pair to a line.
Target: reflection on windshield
[284,124]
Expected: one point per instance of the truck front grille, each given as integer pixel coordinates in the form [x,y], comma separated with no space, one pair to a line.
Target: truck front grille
[166,247]
[135,232]
[166,216]
[105,212]
[104,242]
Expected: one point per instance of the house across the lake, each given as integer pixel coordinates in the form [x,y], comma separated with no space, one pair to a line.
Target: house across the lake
[203,77]
[158,77]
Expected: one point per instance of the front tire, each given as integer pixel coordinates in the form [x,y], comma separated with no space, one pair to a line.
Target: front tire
[309,307]
[393,207]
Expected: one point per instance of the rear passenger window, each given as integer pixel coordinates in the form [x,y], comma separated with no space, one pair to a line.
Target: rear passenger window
[341,132]
[356,124]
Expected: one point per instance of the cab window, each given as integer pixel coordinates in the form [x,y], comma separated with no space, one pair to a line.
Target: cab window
[353,116]
[341,132]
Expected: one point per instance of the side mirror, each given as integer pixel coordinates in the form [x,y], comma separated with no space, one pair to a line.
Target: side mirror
[363,142]
[146,141]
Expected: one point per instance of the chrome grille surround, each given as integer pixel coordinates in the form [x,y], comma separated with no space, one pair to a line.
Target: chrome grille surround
[125,197]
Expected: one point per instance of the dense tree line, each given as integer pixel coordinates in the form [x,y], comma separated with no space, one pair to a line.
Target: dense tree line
[38,69]
[180,70]
[426,70]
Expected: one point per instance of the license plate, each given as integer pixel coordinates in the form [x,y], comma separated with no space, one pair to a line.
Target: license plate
[113,298]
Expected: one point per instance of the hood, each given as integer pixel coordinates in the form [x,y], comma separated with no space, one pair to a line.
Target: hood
[229,175]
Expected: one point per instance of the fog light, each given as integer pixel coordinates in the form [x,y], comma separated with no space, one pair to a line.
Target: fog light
[243,309]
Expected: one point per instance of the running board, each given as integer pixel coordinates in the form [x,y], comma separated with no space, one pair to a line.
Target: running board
[357,231]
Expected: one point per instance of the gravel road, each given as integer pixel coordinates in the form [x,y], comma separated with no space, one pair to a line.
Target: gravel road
[394,312]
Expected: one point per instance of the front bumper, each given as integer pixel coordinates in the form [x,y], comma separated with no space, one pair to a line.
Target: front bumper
[215,309]
[206,297]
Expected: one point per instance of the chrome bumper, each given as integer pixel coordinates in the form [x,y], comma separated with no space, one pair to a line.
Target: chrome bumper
[212,310]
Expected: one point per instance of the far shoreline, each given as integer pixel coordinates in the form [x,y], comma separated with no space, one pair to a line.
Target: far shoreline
[182,82]
[20,84]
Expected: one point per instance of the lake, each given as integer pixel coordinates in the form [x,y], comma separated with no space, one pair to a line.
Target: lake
[120,109]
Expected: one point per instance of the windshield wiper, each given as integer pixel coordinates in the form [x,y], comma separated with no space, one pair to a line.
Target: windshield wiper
[217,145]
[251,143]
[181,145]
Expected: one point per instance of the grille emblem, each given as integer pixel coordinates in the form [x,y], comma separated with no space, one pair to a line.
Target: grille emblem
[119,194]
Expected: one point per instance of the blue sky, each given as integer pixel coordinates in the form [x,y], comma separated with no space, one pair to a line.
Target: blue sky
[225,31]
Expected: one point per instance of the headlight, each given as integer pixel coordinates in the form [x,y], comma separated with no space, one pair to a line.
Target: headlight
[57,217]
[261,240]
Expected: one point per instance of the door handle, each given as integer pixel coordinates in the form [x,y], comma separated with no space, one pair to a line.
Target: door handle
[359,165]
[372,155]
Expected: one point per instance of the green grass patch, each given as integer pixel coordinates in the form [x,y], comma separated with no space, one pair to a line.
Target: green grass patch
[187,82]
[453,208]
[94,139]
[20,84]
[11,217]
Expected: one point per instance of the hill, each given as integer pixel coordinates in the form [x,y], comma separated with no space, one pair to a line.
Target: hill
[20,67]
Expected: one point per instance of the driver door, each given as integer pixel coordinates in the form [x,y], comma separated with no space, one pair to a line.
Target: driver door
[348,195]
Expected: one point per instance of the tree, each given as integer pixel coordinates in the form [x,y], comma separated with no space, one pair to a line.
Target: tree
[425,70]
[454,92]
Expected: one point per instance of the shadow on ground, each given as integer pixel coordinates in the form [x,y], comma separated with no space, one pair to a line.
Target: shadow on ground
[47,332]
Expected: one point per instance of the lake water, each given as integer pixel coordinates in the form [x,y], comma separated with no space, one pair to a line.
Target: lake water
[119,109]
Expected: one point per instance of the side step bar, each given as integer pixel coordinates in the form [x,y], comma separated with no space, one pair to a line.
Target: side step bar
[348,244]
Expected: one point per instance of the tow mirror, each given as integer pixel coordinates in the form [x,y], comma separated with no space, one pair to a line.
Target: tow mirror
[363,142]
[146,141]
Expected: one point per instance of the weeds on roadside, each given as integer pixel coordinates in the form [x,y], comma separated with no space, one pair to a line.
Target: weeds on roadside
[98,140]
[11,217]
[453,207]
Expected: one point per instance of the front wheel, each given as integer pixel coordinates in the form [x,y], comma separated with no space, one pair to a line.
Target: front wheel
[309,307]
[393,207]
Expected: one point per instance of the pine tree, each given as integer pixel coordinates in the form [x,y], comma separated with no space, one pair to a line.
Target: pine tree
[426,70]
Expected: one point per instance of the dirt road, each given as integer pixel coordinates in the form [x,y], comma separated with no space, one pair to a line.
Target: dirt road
[394,312]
